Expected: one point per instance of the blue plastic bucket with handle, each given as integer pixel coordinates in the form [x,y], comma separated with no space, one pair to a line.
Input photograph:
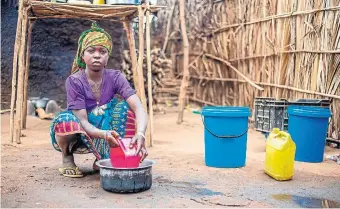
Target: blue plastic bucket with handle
[225,136]
[308,129]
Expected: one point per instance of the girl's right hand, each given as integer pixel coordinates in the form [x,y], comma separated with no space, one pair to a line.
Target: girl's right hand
[112,138]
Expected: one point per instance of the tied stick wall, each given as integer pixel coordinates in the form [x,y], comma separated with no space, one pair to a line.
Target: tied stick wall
[290,48]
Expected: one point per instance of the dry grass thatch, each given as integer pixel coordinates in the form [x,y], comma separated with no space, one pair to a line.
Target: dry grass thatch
[42,9]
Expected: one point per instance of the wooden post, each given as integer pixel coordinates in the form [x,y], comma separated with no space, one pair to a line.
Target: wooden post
[14,70]
[140,73]
[185,79]
[27,66]
[148,60]
[20,89]
[138,77]
[132,49]
[140,67]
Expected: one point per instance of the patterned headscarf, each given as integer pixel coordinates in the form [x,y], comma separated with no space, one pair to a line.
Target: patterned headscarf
[92,37]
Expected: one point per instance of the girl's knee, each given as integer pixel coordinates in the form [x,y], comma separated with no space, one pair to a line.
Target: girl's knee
[67,138]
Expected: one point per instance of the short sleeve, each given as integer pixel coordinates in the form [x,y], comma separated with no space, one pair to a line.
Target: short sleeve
[75,95]
[123,87]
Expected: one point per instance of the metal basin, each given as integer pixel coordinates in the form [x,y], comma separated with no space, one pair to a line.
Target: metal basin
[125,180]
[34,100]
[41,103]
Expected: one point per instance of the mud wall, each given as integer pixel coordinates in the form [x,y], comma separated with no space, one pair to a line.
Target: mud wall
[54,45]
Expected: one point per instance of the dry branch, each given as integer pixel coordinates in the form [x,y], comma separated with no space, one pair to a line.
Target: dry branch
[5,111]
[185,79]
[267,84]
[168,27]
[237,71]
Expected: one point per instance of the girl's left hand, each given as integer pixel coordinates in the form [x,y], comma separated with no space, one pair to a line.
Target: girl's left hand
[141,150]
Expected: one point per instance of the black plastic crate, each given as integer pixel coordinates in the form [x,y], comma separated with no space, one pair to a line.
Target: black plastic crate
[271,113]
[312,102]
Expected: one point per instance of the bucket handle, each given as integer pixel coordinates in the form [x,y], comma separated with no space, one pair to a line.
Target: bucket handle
[223,136]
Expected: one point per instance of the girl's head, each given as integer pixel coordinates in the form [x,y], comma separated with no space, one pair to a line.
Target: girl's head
[94,49]
[95,57]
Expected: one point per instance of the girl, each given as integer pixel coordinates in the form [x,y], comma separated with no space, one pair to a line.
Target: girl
[95,119]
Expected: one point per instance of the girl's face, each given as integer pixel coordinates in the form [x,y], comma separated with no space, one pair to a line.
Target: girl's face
[96,57]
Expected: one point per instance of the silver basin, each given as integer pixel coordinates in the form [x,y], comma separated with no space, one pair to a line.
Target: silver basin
[125,180]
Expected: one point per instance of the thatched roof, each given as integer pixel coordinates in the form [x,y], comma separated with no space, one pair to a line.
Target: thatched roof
[40,9]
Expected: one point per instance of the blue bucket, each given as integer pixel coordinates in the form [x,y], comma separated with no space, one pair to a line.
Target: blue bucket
[225,136]
[308,129]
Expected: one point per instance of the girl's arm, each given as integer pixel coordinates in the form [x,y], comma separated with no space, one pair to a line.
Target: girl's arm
[141,116]
[141,122]
[94,132]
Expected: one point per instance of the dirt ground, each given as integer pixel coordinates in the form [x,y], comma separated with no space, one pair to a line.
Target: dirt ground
[29,176]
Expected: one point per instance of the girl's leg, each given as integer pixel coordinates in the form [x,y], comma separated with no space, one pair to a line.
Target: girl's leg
[65,144]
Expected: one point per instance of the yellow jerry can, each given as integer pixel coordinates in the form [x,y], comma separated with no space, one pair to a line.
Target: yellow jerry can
[280,152]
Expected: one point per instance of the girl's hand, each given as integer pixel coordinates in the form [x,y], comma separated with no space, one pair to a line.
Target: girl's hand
[139,139]
[112,138]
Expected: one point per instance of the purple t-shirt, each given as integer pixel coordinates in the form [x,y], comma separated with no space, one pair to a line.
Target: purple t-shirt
[80,96]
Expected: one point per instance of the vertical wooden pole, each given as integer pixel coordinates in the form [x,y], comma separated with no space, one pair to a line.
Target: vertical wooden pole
[148,60]
[27,66]
[140,67]
[14,70]
[20,93]
[279,40]
[238,38]
[132,49]
[140,73]
[185,79]
[138,77]
[262,77]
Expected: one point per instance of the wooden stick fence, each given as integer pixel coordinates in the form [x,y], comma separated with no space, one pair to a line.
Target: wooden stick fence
[266,84]
[290,49]
[280,16]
